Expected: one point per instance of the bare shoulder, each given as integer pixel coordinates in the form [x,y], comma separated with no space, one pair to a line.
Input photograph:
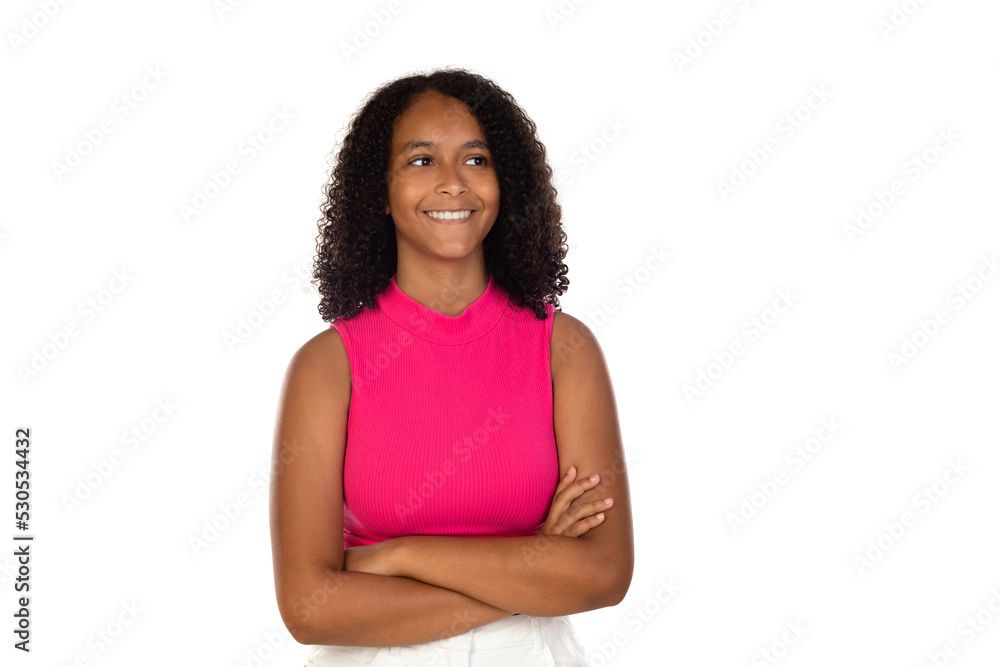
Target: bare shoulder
[327,343]
[572,342]
[322,359]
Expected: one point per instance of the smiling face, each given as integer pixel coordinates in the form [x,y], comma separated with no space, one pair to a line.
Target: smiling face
[440,169]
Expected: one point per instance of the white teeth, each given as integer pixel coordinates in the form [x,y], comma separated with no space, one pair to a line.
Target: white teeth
[446,215]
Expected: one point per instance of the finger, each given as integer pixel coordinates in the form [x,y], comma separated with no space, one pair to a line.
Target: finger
[589,510]
[578,513]
[560,499]
[584,525]
[559,503]
[592,521]
[562,515]
[579,488]
[601,505]
[557,527]
[566,492]
[566,479]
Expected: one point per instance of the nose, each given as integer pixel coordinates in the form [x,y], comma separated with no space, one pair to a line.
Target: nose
[450,180]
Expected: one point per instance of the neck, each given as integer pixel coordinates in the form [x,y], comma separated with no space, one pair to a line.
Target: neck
[447,290]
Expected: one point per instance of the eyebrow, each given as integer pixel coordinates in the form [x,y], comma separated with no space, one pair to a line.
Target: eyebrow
[423,143]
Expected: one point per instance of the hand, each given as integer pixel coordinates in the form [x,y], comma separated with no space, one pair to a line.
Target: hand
[371,558]
[573,521]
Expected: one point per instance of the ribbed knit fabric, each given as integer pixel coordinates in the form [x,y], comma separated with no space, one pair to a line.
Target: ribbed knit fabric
[450,426]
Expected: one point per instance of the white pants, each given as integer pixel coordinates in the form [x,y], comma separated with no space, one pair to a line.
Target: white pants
[518,641]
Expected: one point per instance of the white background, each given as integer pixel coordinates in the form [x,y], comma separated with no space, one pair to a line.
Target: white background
[683,128]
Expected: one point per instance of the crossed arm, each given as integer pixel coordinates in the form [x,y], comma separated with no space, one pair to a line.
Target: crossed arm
[543,575]
[421,588]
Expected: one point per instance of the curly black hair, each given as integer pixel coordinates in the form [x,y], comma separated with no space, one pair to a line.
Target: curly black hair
[356,244]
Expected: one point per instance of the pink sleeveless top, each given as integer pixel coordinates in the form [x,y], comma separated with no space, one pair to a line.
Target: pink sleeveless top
[450,425]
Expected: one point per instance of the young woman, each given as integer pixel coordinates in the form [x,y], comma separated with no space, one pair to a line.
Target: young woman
[418,510]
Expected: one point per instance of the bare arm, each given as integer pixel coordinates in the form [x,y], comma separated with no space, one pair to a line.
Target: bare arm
[319,602]
[544,575]
[360,609]
[585,419]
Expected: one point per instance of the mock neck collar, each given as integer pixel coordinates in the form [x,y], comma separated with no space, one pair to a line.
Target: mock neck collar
[475,321]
